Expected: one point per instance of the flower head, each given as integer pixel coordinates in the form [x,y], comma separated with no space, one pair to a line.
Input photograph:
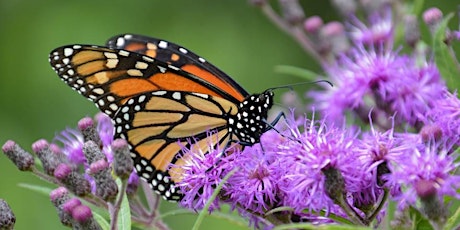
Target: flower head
[200,175]
[432,162]
[254,186]
[319,150]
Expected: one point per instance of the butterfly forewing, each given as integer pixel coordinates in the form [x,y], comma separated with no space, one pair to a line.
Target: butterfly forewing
[180,57]
[109,77]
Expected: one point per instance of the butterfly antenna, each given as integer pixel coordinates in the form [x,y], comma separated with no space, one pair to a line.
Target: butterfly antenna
[291,86]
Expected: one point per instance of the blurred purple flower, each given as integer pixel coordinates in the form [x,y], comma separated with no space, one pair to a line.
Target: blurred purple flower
[445,115]
[433,162]
[378,31]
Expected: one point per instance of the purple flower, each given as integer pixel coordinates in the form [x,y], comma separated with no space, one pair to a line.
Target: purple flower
[254,186]
[433,163]
[379,30]
[381,80]
[73,141]
[415,91]
[376,150]
[73,145]
[319,149]
[200,175]
[357,77]
[445,114]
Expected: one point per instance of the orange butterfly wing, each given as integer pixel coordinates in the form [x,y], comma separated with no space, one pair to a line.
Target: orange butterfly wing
[109,77]
[180,57]
[161,95]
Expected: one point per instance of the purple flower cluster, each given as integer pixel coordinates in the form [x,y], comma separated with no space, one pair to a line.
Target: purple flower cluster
[316,167]
[326,170]
[81,162]
[387,82]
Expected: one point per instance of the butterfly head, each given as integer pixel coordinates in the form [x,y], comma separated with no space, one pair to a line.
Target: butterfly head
[250,121]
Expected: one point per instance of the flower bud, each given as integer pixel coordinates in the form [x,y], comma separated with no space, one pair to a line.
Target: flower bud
[74,181]
[83,217]
[433,17]
[22,159]
[313,24]
[49,159]
[122,162]
[106,187]
[7,218]
[345,7]
[412,31]
[88,130]
[432,206]
[292,11]
[93,152]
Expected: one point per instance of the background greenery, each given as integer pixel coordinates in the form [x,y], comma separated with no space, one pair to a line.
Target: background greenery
[35,104]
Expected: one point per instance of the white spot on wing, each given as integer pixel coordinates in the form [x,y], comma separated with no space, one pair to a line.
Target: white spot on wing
[159,93]
[162,69]
[148,59]
[110,55]
[68,52]
[163,44]
[141,65]
[182,50]
[123,53]
[177,95]
[120,42]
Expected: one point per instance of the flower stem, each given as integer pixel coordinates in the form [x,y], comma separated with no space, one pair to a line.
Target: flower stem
[354,216]
[114,209]
[293,31]
[382,203]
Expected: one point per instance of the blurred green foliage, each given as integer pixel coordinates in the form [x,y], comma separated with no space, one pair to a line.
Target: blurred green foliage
[35,104]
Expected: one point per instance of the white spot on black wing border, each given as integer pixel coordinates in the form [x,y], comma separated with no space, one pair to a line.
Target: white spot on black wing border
[158,180]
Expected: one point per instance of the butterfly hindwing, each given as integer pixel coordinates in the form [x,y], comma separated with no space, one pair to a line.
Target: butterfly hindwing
[159,124]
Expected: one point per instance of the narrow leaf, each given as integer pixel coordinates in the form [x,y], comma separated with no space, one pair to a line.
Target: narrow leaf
[235,220]
[320,227]
[453,220]
[37,188]
[101,221]
[124,214]
[298,72]
[445,62]
[419,221]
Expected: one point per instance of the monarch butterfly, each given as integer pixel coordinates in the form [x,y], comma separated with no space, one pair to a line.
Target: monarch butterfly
[158,95]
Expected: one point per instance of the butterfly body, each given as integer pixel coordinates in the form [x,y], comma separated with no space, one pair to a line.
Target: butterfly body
[160,96]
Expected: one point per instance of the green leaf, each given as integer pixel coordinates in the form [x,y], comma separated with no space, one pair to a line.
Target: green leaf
[320,227]
[445,62]
[235,220]
[419,221]
[101,221]
[175,212]
[37,188]
[417,7]
[453,220]
[124,215]
[298,72]
[279,209]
